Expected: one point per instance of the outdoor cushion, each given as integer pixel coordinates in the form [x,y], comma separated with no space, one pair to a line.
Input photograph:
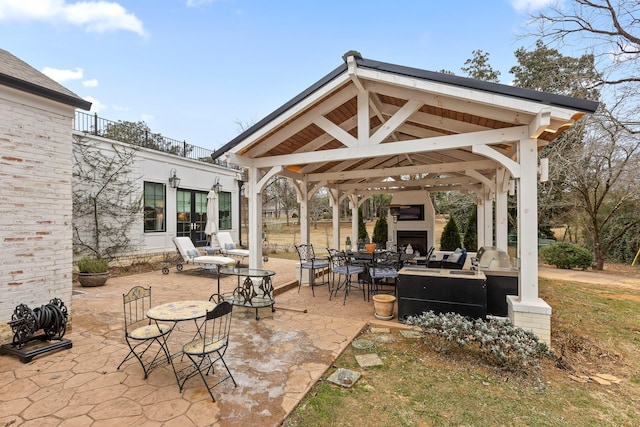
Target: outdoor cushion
[454,257]
[229,246]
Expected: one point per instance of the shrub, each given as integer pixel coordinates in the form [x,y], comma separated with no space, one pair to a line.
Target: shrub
[380,231]
[471,232]
[566,255]
[501,342]
[92,265]
[450,239]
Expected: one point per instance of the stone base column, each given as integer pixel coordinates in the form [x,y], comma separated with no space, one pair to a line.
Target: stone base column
[533,316]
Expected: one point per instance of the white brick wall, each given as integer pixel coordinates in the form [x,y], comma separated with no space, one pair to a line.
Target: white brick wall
[534,316]
[35,203]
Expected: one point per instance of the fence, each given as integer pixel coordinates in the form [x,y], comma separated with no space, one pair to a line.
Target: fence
[138,134]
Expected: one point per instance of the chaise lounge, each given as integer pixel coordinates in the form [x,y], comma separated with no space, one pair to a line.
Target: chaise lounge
[191,255]
[229,248]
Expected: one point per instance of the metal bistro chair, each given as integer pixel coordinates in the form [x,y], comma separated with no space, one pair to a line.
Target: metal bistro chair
[309,261]
[344,267]
[384,272]
[141,332]
[210,347]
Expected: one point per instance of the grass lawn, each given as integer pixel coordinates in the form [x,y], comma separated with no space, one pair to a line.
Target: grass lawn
[595,329]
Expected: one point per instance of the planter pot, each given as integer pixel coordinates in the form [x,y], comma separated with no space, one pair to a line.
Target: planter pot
[383,306]
[370,247]
[93,279]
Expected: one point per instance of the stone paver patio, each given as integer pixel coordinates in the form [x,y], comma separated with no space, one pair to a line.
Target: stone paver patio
[274,361]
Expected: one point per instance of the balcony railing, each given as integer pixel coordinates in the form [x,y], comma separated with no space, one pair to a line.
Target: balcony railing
[140,135]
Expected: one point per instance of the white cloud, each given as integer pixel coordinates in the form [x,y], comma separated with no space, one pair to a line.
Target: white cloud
[196,3]
[94,16]
[96,106]
[147,118]
[62,75]
[530,5]
[120,108]
[90,83]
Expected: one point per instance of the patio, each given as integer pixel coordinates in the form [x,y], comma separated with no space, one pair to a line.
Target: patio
[274,361]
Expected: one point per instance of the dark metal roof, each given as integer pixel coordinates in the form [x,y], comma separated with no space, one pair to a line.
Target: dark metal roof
[544,98]
[19,75]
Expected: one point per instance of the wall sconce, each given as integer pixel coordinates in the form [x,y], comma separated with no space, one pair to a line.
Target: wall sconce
[216,187]
[543,170]
[174,181]
[512,187]
[394,211]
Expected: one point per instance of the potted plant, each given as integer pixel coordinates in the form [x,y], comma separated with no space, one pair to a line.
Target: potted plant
[93,271]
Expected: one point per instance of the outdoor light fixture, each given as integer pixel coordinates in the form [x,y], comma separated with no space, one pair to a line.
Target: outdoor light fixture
[394,211]
[217,186]
[174,181]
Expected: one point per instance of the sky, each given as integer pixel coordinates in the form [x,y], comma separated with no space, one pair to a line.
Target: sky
[193,69]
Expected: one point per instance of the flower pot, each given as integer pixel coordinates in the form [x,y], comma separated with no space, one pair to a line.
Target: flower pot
[92,279]
[370,247]
[383,306]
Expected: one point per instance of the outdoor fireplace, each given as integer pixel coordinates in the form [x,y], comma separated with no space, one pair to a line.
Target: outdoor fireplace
[417,238]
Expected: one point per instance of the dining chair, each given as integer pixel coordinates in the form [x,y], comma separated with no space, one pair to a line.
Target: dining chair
[309,261]
[383,273]
[344,267]
[141,332]
[210,347]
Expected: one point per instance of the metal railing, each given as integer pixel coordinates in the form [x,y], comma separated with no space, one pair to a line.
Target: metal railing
[140,135]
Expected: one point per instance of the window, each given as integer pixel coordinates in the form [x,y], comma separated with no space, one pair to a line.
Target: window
[154,207]
[224,210]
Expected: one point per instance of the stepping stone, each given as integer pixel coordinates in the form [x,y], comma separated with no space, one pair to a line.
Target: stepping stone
[362,344]
[380,330]
[411,334]
[367,360]
[344,377]
[385,339]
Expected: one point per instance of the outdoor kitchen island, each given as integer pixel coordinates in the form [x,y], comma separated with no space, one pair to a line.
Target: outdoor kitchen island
[441,290]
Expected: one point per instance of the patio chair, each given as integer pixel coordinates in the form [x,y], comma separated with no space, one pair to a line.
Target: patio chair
[190,254]
[210,347]
[383,274]
[344,267]
[141,332]
[309,261]
[229,248]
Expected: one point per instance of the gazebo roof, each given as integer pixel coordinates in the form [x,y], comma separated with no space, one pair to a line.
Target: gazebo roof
[368,123]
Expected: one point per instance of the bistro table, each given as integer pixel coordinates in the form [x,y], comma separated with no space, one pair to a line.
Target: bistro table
[255,291]
[180,311]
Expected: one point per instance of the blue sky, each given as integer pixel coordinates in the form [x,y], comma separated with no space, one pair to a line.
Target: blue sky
[191,69]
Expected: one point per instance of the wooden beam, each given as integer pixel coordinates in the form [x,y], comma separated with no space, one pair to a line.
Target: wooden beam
[393,148]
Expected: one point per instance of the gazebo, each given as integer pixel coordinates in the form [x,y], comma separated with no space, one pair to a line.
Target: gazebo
[370,127]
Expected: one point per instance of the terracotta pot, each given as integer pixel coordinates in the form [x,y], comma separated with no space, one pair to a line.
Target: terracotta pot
[383,306]
[92,279]
[370,247]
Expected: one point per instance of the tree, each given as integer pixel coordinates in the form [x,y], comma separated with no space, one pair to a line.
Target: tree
[380,231]
[478,67]
[602,174]
[362,227]
[608,28]
[450,239]
[471,232]
[139,134]
[106,200]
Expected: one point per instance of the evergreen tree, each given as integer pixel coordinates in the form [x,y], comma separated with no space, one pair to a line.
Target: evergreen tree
[450,239]
[471,232]
[362,228]
[380,231]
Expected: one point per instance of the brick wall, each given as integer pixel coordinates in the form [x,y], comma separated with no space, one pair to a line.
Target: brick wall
[35,203]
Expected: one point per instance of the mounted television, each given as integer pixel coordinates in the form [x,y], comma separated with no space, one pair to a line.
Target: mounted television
[411,213]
